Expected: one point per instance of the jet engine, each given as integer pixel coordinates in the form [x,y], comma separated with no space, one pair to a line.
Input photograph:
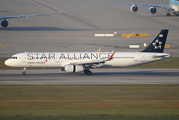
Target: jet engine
[73,68]
[153,10]
[4,23]
[134,8]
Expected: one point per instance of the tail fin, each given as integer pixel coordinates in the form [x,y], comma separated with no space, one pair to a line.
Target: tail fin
[158,44]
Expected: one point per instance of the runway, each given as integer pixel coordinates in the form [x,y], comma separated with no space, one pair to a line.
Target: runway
[99,76]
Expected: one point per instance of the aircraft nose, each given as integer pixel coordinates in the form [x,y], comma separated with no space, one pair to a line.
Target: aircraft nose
[8,62]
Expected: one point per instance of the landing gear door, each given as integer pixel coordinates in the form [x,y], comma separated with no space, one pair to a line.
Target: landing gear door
[142,58]
[24,58]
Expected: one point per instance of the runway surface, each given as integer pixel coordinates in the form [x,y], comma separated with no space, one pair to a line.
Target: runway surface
[99,76]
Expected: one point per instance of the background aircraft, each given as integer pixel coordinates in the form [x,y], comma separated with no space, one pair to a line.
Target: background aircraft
[83,61]
[172,7]
[4,22]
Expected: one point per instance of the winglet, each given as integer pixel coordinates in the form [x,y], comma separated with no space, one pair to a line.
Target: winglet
[99,50]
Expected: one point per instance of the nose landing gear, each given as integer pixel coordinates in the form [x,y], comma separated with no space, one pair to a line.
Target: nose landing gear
[24,71]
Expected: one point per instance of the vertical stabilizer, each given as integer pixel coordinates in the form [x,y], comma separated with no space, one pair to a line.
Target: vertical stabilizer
[158,44]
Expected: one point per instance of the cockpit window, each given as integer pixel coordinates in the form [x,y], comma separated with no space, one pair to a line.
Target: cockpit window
[13,57]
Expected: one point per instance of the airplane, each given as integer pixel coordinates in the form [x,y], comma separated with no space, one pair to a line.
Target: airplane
[72,62]
[5,23]
[172,7]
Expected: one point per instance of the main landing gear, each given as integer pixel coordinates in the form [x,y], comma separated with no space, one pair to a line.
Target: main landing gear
[24,71]
[87,72]
[175,13]
[168,13]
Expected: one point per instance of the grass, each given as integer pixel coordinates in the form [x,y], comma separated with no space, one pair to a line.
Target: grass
[172,62]
[75,100]
[97,102]
[166,63]
[102,117]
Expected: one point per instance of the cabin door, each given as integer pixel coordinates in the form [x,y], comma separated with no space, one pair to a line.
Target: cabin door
[24,58]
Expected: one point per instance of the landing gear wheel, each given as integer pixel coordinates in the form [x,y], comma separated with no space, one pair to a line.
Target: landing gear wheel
[23,73]
[174,13]
[87,72]
[168,14]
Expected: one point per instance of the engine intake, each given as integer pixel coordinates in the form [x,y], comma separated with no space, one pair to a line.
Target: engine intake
[73,68]
[152,10]
[134,8]
[4,23]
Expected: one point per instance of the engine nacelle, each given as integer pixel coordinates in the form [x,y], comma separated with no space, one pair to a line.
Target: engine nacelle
[134,8]
[4,23]
[153,10]
[73,68]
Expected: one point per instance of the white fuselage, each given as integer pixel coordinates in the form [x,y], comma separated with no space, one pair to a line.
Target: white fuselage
[60,59]
[175,5]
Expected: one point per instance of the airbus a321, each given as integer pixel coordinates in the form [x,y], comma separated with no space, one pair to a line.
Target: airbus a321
[5,23]
[172,7]
[72,62]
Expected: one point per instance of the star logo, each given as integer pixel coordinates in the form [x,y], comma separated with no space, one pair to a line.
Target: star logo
[46,61]
[157,44]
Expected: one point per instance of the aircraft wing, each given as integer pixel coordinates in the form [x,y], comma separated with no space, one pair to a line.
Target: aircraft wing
[149,5]
[93,62]
[21,16]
